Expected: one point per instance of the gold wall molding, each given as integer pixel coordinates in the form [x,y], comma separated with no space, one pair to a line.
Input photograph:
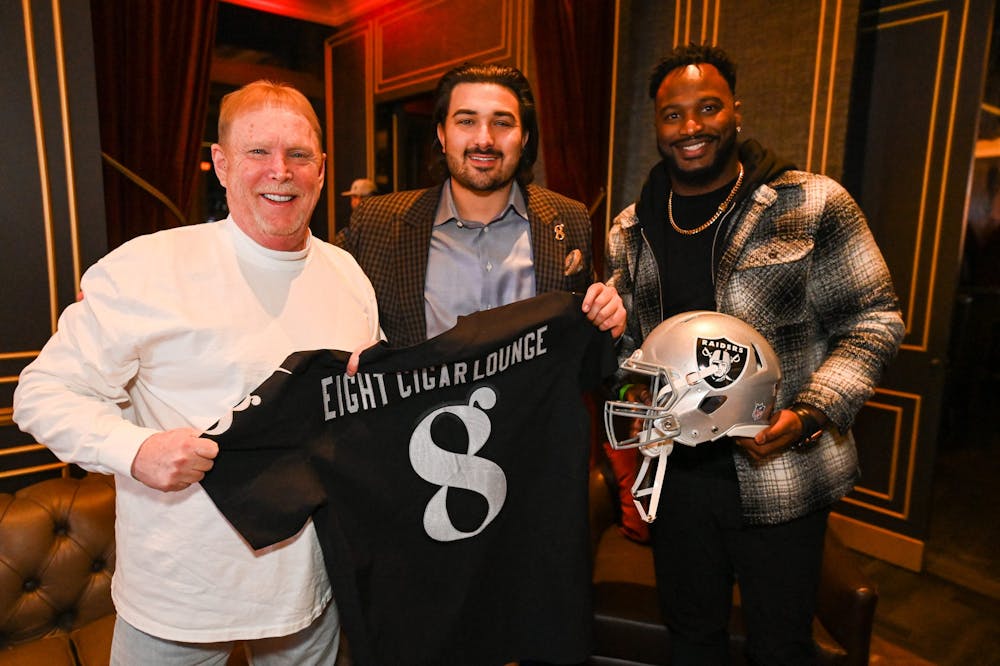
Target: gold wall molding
[338,137]
[879,542]
[937,155]
[410,54]
[894,498]
[50,110]
[42,156]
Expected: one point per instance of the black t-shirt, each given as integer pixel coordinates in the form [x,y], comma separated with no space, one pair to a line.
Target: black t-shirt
[690,261]
[447,483]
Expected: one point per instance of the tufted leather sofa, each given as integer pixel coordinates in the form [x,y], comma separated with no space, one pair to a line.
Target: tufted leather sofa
[628,625]
[57,554]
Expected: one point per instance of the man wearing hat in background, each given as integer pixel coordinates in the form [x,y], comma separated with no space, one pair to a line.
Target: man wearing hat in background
[360,188]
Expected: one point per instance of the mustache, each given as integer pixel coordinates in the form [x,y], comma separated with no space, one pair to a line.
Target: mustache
[694,139]
[488,151]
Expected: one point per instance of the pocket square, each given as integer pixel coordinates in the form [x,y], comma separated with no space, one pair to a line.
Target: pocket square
[573,263]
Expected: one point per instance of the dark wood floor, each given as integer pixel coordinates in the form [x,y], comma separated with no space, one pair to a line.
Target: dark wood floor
[949,614]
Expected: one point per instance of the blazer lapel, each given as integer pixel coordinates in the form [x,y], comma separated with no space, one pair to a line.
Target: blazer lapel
[549,253]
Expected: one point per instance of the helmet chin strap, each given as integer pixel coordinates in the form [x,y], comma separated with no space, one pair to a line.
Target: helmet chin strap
[650,453]
[654,453]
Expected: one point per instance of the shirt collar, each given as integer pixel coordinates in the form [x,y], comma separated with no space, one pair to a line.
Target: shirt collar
[446,204]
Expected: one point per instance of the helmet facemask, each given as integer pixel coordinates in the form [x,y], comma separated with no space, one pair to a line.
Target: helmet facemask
[656,422]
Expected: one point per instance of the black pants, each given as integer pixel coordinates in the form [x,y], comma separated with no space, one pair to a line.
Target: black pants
[701,548]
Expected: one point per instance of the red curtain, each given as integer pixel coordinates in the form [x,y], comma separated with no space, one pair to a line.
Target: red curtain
[573,42]
[152,60]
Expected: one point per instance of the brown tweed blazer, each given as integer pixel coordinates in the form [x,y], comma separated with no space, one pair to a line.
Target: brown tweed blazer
[390,238]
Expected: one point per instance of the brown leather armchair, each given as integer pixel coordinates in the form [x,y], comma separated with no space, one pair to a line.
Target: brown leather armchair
[57,555]
[628,625]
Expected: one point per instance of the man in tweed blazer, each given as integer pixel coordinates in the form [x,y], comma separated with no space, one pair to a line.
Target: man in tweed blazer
[485,237]
[727,226]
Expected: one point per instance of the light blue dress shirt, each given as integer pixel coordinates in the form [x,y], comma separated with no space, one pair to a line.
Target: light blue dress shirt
[474,266]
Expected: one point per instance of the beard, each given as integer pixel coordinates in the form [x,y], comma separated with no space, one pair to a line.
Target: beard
[475,180]
[702,175]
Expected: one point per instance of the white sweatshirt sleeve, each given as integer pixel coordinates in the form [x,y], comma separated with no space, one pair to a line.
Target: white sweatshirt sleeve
[73,397]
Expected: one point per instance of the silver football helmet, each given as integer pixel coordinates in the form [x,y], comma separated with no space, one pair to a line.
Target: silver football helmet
[710,375]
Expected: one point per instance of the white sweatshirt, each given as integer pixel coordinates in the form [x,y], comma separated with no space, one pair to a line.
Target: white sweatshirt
[176,327]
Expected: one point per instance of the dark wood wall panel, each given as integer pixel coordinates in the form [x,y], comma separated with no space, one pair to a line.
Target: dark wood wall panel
[349,118]
[784,91]
[29,196]
[886,479]
[910,145]
[900,173]
[419,44]
[53,220]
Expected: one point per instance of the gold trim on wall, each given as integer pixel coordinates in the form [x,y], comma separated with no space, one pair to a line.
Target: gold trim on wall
[74,230]
[826,117]
[7,356]
[46,88]
[910,312]
[890,492]
[43,166]
[897,7]
[25,471]
[395,152]
[17,450]
[370,102]
[945,166]
[511,46]
[709,15]
[363,31]
[879,542]
[915,403]
[608,187]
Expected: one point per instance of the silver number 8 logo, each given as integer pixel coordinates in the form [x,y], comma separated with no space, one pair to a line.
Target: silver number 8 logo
[456,470]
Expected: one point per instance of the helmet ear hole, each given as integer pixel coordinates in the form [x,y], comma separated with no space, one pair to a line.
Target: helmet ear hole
[712,403]
[758,356]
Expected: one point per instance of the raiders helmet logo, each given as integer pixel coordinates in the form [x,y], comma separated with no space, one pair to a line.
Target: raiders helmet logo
[726,358]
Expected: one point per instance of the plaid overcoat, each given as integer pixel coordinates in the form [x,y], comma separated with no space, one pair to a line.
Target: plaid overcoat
[390,238]
[801,266]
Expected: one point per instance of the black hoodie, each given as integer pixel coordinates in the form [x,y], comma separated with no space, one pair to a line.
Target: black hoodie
[695,288]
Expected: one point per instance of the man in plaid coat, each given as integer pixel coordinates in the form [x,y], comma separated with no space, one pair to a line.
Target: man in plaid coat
[728,226]
[485,237]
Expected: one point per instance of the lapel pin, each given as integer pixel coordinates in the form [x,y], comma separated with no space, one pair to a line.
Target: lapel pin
[560,230]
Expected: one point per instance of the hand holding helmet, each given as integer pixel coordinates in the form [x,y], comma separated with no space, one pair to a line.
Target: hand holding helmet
[710,375]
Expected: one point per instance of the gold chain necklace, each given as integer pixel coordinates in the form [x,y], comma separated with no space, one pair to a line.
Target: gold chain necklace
[722,208]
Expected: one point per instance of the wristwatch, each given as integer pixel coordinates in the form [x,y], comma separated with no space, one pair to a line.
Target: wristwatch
[811,428]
